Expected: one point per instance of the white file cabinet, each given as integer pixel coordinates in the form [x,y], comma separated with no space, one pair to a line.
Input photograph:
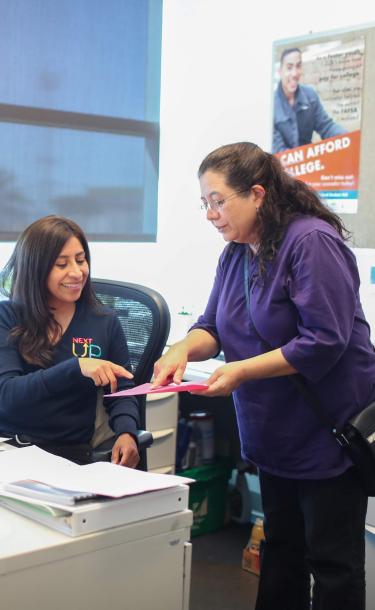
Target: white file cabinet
[137,566]
[161,420]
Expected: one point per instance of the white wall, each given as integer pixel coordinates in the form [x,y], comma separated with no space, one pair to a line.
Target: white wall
[216,89]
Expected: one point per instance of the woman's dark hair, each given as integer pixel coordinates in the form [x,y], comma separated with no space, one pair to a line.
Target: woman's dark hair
[245,164]
[24,280]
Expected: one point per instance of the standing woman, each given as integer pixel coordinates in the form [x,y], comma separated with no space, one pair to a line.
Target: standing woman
[286,300]
[57,345]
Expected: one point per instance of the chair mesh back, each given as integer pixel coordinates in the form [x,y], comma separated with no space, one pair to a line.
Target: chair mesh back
[136,320]
[145,318]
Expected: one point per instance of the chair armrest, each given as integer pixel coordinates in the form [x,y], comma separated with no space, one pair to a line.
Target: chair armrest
[144,439]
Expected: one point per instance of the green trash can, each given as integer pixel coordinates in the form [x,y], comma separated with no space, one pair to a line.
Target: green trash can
[208,496]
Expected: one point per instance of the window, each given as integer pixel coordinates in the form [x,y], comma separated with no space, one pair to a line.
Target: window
[79,115]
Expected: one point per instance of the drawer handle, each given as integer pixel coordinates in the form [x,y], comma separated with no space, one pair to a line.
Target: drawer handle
[161,434]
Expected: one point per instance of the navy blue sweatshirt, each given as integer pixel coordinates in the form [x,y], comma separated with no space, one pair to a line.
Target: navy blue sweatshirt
[58,404]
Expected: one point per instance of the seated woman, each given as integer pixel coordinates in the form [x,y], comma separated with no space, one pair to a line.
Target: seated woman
[57,345]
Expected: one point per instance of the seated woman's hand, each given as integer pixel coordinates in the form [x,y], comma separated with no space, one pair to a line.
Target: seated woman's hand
[125,451]
[103,372]
[171,366]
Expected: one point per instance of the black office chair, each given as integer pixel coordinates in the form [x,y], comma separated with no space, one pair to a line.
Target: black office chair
[145,318]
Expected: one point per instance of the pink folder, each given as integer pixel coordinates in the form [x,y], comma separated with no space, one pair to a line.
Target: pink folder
[146,388]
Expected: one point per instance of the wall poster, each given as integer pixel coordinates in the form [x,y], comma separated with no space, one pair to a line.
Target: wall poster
[317,90]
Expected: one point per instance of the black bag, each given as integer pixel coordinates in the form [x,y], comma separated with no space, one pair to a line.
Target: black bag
[358,438]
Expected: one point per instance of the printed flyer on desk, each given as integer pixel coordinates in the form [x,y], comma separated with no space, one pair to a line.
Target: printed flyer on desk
[317,90]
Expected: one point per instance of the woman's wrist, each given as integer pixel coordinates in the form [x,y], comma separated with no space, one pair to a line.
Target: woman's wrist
[243,371]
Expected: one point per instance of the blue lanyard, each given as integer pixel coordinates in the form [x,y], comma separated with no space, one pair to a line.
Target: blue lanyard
[246,278]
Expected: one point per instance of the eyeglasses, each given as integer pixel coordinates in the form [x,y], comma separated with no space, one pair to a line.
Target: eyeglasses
[215,206]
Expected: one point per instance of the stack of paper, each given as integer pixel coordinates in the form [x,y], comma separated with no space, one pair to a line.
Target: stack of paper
[102,478]
[46,493]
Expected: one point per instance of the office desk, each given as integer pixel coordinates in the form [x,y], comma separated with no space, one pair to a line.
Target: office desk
[227,443]
[137,566]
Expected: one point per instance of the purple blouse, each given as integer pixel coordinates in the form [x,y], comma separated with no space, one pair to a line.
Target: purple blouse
[308,304]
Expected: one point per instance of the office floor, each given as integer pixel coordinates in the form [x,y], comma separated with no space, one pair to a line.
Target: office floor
[218,582]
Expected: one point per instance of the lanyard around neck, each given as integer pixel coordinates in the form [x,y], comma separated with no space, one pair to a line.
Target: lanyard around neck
[246,277]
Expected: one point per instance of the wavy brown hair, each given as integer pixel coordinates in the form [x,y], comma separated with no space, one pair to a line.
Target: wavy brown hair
[24,281]
[245,164]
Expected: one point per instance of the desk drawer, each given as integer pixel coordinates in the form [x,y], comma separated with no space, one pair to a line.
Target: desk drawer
[163,450]
[161,411]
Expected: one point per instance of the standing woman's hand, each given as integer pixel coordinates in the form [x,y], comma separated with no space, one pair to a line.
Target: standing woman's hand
[171,366]
[225,379]
[103,372]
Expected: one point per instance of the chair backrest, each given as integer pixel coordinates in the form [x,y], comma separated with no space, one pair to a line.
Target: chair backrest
[144,316]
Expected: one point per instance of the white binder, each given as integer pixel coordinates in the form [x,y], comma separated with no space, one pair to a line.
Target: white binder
[96,515]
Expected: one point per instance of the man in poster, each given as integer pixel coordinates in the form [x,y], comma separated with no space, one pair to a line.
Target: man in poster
[298,111]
